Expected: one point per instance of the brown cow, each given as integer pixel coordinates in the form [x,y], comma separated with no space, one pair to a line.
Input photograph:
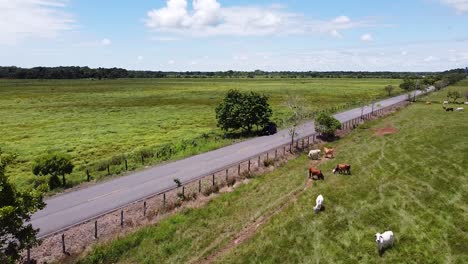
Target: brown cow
[328,152]
[342,168]
[315,172]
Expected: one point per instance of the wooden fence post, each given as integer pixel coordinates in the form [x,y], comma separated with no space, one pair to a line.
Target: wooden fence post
[87,175]
[213,179]
[108,168]
[199,186]
[227,176]
[28,255]
[144,208]
[95,230]
[258,161]
[183,191]
[284,150]
[121,218]
[276,153]
[63,244]
[126,166]
[268,156]
[302,143]
[142,158]
[308,140]
[238,169]
[164,200]
[249,166]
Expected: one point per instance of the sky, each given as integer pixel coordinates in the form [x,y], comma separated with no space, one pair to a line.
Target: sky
[218,35]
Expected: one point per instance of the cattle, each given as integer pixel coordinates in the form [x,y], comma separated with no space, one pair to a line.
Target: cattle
[466,103]
[329,152]
[384,241]
[318,204]
[428,103]
[342,168]
[314,154]
[445,102]
[459,109]
[449,109]
[315,172]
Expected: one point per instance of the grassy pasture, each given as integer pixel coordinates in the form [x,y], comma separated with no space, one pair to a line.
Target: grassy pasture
[413,182]
[95,120]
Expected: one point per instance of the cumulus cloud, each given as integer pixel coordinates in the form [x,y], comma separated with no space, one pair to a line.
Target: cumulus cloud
[461,6]
[101,43]
[140,58]
[106,42]
[21,19]
[208,18]
[367,37]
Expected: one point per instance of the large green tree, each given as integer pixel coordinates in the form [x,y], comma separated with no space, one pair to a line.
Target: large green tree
[243,111]
[16,208]
[54,165]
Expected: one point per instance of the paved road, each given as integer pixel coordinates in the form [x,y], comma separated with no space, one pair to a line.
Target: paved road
[67,209]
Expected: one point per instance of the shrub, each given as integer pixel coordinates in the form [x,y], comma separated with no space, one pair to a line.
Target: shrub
[326,124]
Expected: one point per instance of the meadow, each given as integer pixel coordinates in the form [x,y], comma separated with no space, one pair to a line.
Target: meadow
[98,122]
[412,181]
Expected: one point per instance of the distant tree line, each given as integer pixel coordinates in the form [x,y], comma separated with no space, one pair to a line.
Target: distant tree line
[75,72]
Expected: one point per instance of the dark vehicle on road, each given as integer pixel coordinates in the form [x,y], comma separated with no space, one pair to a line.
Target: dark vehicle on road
[269,129]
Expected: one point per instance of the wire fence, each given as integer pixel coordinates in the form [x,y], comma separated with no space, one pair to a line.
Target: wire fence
[148,207]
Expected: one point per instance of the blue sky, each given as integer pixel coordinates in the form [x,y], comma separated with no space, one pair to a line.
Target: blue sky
[210,35]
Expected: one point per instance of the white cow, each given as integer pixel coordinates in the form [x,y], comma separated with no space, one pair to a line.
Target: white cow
[459,109]
[466,103]
[384,240]
[445,102]
[314,154]
[318,204]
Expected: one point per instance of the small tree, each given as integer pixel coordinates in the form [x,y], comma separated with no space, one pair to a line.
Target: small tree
[389,89]
[16,208]
[326,124]
[409,85]
[54,165]
[298,112]
[454,94]
[243,111]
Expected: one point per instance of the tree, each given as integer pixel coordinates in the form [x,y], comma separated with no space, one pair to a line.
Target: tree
[454,94]
[326,124]
[243,111]
[16,208]
[389,89]
[54,165]
[298,111]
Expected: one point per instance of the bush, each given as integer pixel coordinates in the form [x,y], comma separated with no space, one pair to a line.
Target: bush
[326,124]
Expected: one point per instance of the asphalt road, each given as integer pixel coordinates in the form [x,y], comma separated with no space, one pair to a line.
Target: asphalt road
[67,209]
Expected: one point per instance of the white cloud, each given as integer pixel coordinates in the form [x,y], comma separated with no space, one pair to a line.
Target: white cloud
[164,39]
[106,42]
[140,58]
[367,37]
[208,18]
[21,19]
[404,53]
[101,43]
[171,62]
[430,59]
[335,33]
[460,5]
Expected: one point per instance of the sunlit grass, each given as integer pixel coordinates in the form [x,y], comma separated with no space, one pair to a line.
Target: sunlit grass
[95,120]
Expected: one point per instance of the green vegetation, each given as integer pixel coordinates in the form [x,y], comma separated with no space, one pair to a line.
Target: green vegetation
[412,182]
[243,111]
[16,208]
[461,87]
[53,165]
[326,124]
[100,123]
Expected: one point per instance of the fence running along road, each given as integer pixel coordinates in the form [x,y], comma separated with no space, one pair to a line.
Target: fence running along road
[69,209]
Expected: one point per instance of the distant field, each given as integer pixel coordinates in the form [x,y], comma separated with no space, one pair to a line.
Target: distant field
[461,86]
[95,120]
[413,182]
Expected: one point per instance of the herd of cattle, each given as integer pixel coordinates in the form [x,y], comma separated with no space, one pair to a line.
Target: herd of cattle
[450,109]
[383,240]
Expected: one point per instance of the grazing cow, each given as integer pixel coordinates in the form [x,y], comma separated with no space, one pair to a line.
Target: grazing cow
[449,109]
[314,154]
[459,109]
[318,204]
[445,102]
[342,168]
[315,172]
[466,103]
[384,241]
[329,152]
[428,103]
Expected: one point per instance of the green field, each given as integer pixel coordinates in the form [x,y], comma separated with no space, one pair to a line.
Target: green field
[412,182]
[94,121]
